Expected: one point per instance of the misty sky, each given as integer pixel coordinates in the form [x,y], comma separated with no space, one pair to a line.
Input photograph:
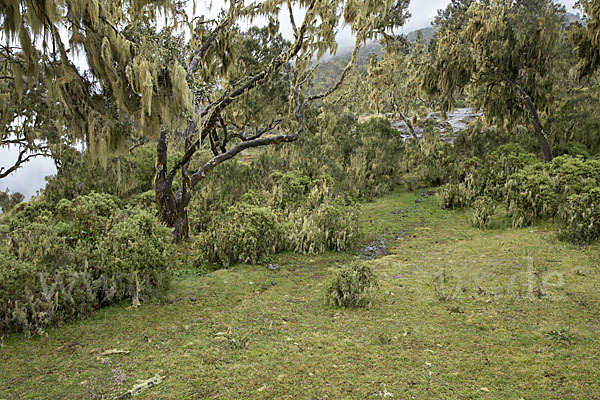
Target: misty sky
[30,178]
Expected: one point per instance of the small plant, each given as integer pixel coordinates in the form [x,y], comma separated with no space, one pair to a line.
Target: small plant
[559,335]
[354,286]
[446,287]
[483,210]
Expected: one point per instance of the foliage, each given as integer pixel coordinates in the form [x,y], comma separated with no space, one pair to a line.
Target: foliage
[483,211]
[394,83]
[245,233]
[505,55]
[576,121]
[587,38]
[9,200]
[372,165]
[60,264]
[330,224]
[581,217]
[539,190]
[354,286]
[122,175]
[89,214]
[136,246]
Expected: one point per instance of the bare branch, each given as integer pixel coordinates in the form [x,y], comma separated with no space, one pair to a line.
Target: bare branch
[21,159]
[292,20]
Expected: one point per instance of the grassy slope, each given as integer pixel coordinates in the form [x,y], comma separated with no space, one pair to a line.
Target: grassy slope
[462,313]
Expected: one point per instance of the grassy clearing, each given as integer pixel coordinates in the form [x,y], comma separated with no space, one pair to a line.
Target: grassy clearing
[462,313]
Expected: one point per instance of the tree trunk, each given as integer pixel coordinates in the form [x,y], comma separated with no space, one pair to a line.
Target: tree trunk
[535,120]
[172,210]
[408,123]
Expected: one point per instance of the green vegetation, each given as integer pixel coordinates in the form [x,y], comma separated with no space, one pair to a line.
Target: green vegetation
[418,252]
[354,286]
[62,263]
[452,299]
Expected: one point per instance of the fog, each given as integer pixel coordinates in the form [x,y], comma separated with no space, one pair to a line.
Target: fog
[30,178]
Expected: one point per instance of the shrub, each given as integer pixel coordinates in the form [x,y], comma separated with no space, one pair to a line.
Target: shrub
[245,233]
[354,286]
[88,214]
[137,245]
[483,210]
[454,195]
[538,190]
[581,215]
[331,225]
[529,195]
[47,276]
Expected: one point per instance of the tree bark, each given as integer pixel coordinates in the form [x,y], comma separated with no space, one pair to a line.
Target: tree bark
[535,120]
[172,210]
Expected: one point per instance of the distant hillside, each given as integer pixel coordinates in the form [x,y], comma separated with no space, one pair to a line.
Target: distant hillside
[426,32]
[330,70]
[572,18]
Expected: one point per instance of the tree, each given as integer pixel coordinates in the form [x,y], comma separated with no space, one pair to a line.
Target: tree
[8,201]
[394,80]
[587,39]
[506,54]
[30,124]
[148,82]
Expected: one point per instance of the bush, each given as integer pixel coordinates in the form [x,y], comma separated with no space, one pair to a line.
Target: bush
[483,211]
[246,233]
[331,225]
[354,286]
[137,245]
[538,190]
[47,276]
[88,214]
[454,195]
[581,215]
[529,195]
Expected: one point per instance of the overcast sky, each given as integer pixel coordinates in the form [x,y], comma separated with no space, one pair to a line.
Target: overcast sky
[30,178]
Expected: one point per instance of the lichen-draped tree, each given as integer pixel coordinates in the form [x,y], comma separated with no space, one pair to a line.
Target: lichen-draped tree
[166,88]
[30,125]
[587,39]
[506,54]
[394,80]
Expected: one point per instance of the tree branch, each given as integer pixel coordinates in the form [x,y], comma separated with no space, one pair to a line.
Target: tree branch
[345,73]
[225,23]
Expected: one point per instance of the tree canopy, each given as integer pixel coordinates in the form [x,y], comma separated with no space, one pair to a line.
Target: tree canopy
[507,55]
[145,78]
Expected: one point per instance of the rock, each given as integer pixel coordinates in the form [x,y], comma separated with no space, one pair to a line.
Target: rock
[375,250]
[273,267]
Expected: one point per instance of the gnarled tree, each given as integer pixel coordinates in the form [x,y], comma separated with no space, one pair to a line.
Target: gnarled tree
[506,54]
[142,81]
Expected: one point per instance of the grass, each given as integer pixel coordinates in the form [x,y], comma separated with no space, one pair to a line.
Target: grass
[462,313]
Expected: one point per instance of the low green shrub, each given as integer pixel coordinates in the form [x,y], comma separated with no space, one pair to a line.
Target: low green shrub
[245,233]
[537,191]
[581,216]
[88,214]
[483,211]
[137,245]
[354,286]
[454,195]
[331,225]
[47,276]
